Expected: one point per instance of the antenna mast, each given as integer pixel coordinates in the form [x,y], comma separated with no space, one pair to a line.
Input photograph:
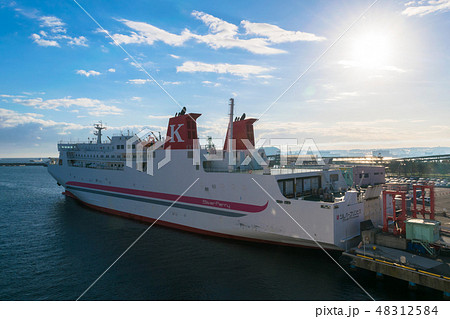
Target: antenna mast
[99,127]
[230,137]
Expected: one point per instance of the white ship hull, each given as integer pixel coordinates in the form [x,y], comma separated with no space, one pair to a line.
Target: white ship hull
[230,205]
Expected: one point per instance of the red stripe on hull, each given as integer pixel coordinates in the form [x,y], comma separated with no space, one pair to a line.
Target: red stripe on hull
[149,220]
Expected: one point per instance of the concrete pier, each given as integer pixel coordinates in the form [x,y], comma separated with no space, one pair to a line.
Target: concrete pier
[415,270]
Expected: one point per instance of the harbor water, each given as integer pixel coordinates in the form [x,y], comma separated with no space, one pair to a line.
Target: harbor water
[53,248]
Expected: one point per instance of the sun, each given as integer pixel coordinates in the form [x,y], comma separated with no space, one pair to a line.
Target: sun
[371,50]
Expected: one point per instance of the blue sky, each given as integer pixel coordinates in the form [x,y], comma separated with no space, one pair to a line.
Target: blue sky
[383,84]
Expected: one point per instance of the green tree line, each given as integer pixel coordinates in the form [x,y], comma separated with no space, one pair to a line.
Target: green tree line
[419,168]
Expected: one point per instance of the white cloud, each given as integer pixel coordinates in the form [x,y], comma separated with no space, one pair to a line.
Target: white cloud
[148,34]
[45,39]
[275,34]
[55,24]
[171,83]
[349,132]
[431,6]
[174,56]
[33,93]
[216,25]
[392,68]
[225,35]
[88,73]
[94,107]
[112,70]
[222,34]
[243,70]
[344,133]
[338,97]
[43,42]
[359,64]
[10,119]
[159,117]
[136,98]
[56,30]
[11,96]
[350,94]
[139,81]
[265,76]
[143,65]
[81,41]
[209,83]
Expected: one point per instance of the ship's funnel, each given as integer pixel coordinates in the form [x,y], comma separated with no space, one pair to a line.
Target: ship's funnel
[182,131]
[242,130]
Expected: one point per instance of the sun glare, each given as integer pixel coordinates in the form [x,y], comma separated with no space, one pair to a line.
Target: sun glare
[371,50]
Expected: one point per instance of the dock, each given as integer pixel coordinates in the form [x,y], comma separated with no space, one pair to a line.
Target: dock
[414,269]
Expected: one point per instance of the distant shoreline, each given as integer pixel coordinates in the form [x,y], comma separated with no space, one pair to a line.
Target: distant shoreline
[24,164]
[24,161]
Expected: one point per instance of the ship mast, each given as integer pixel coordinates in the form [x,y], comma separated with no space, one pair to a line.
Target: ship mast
[230,137]
[99,127]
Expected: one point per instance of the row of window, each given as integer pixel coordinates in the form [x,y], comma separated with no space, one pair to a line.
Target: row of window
[95,155]
[97,165]
[71,147]
[297,187]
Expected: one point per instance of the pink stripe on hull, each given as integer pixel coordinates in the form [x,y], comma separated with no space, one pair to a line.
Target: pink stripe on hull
[185,199]
[187,228]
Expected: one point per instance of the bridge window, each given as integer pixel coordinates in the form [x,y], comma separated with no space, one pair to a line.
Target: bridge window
[315,184]
[287,187]
[307,185]
[298,187]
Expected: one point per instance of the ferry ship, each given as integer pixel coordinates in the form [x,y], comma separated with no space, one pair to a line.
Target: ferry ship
[228,193]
